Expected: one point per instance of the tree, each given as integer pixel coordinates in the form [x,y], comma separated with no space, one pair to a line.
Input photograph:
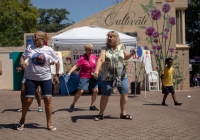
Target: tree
[192,15]
[53,20]
[16,18]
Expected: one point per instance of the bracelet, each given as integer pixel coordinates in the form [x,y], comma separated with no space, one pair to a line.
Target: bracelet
[57,75]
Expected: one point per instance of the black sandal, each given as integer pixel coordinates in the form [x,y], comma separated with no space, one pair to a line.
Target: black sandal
[99,117]
[127,117]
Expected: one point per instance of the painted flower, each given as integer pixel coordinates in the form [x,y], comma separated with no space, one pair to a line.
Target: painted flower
[155,40]
[151,52]
[166,30]
[155,14]
[154,47]
[172,21]
[149,31]
[155,34]
[171,49]
[157,55]
[159,47]
[165,36]
[146,48]
[166,7]
[157,67]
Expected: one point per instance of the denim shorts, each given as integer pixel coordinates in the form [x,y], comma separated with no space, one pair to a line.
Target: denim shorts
[107,87]
[168,89]
[31,87]
[87,83]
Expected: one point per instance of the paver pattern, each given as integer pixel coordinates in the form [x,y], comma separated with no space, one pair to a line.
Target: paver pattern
[151,120]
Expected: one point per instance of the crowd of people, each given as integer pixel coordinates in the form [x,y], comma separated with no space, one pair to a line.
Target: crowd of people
[37,80]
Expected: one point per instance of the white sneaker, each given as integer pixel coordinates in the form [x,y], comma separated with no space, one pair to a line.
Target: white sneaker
[20,127]
[19,110]
[40,109]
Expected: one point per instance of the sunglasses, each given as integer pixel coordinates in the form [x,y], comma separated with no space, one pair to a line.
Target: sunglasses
[36,37]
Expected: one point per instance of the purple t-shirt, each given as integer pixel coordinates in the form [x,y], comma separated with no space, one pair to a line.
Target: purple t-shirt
[87,66]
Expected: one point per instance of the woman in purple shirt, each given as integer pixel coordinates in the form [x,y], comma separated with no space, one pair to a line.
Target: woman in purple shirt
[87,64]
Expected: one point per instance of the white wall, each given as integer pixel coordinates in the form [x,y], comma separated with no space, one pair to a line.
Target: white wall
[6,79]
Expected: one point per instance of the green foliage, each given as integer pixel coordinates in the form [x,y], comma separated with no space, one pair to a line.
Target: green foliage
[192,17]
[53,20]
[16,18]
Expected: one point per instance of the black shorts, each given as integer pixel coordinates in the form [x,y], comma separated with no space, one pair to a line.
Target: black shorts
[168,89]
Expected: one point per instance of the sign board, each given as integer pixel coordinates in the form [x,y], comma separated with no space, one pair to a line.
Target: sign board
[147,61]
[53,67]
[137,56]
[77,52]
[29,40]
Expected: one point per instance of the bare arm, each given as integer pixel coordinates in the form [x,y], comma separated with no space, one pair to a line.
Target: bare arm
[57,72]
[72,69]
[100,61]
[128,56]
[161,77]
[22,63]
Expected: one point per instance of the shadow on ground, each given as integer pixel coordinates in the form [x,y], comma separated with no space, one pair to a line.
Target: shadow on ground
[29,125]
[90,117]
[153,104]
[67,109]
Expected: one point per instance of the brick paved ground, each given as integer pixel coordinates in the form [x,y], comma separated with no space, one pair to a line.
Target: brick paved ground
[151,120]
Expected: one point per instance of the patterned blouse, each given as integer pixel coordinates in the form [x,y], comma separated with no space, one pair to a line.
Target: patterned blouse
[114,65]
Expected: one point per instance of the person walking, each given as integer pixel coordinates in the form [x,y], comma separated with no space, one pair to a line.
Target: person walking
[167,82]
[39,74]
[87,64]
[113,73]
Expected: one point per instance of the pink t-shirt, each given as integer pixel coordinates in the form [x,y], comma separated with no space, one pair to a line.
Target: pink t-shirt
[87,67]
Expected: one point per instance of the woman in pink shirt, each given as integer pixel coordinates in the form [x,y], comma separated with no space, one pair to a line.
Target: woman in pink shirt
[87,64]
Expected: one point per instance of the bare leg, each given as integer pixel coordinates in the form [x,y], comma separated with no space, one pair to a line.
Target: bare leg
[38,96]
[77,96]
[22,96]
[165,97]
[103,103]
[94,96]
[174,97]
[123,102]
[48,110]
[25,107]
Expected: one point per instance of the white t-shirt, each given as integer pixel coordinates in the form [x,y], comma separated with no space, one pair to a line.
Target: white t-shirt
[39,62]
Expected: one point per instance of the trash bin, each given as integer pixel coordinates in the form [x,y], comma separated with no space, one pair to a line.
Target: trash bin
[133,87]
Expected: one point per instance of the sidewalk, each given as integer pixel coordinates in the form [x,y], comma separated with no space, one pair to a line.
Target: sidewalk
[151,121]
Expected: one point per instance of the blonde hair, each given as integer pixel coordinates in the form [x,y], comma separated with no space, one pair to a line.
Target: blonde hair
[88,46]
[43,35]
[115,35]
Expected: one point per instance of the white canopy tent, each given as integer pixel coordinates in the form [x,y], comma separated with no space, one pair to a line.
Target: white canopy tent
[78,37]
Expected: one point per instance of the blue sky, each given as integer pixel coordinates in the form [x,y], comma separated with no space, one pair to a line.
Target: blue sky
[79,9]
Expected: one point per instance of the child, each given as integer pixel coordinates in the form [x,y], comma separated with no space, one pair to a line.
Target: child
[167,82]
